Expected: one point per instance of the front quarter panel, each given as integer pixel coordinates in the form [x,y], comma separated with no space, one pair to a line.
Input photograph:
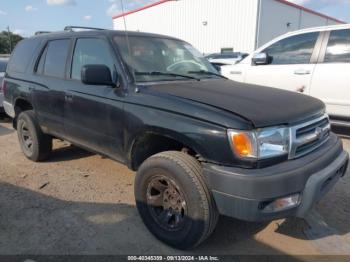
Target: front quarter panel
[208,140]
[235,72]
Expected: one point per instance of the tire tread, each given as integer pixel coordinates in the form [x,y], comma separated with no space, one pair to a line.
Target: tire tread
[44,141]
[194,170]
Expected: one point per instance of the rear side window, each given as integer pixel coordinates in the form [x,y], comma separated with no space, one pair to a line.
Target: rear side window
[90,51]
[22,55]
[296,49]
[41,64]
[338,49]
[55,58]
[3,65]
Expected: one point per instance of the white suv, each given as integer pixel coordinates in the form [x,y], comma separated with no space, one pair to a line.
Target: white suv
[312,61]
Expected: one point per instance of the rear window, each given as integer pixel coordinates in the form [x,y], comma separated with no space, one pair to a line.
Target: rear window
[338,50]
[3,65]
[22,55]
[55,59]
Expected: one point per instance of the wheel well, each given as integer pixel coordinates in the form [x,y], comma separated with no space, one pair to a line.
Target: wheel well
[151,144]
[20,106]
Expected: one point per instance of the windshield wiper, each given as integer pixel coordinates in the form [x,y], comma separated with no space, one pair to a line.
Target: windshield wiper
[203,72]
[157,73]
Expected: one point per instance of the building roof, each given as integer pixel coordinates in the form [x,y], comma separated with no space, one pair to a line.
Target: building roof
[310,11]
[285,2]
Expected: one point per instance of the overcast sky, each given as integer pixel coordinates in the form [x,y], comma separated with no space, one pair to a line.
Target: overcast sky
[27,16]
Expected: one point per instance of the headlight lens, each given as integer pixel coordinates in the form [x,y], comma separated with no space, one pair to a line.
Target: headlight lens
[260,143]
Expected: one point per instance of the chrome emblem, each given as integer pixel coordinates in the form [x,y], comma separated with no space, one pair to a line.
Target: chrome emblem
[320,132]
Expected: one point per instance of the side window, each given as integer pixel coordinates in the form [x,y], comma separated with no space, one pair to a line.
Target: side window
[3,65]
[55,58]
[40,65]
[338,49]
[296,49]
[22,55]
[90,51]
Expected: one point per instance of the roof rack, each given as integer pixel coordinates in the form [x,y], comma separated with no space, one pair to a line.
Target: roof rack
[71,28]
[42,32]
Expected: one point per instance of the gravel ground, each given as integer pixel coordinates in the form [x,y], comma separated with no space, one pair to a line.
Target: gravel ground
[82,203]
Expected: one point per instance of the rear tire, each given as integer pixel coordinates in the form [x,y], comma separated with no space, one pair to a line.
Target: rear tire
[174,201]
[35,145]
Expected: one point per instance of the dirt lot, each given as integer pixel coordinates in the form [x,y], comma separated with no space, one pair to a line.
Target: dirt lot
[81,203]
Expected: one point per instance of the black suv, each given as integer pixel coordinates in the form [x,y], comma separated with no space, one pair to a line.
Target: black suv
[202,145]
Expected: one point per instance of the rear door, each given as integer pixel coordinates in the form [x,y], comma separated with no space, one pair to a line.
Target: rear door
[331,79]
[291,64]
[49,83]
[94,114]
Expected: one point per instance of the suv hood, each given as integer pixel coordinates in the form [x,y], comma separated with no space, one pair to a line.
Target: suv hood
[263,106]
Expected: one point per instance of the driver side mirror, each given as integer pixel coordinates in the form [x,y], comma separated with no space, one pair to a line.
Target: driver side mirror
[261,59]
[97,75]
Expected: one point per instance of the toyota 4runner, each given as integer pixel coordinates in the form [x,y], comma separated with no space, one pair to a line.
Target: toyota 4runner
[202,145]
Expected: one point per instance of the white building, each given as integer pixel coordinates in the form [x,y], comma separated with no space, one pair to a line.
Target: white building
[216,25]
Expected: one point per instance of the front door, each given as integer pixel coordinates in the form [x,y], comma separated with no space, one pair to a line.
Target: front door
[290,66]
[90,110]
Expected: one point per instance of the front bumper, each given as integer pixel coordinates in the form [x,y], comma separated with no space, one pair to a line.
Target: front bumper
[243,193]
[9,109]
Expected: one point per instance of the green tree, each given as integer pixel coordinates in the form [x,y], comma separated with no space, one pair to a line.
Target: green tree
[5,44]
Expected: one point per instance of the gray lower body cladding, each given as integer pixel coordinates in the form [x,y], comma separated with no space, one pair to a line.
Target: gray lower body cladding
[241,193]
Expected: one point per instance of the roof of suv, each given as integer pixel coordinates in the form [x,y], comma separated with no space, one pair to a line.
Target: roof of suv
[100,32]
[302,31]
[319,29]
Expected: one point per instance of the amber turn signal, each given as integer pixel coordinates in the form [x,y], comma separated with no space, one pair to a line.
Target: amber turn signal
[242,144]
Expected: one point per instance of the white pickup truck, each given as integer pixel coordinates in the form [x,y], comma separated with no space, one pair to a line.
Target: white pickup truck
[312,61]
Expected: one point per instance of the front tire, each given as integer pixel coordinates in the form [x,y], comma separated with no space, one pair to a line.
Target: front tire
[35,145]
[174,201]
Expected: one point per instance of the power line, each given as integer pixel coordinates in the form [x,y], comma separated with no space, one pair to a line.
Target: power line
[10,40]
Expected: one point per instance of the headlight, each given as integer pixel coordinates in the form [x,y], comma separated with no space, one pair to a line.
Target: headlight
[260,143]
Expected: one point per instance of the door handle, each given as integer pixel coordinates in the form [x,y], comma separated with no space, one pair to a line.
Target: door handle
[302,72]
[236,72]
[68,97]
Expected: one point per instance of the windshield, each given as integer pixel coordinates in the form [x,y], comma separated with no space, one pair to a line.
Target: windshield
[162,59]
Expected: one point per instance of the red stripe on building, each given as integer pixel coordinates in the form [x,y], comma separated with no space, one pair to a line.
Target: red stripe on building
[140,9]
[280,1]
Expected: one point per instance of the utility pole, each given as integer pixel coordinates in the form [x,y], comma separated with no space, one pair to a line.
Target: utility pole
[10,41]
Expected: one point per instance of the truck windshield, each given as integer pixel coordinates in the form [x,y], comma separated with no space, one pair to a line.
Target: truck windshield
[161,59]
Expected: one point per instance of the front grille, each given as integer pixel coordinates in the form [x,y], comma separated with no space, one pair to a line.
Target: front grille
[311,128]
[308,136]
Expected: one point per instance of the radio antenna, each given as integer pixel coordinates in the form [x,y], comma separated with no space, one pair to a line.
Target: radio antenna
[127,36]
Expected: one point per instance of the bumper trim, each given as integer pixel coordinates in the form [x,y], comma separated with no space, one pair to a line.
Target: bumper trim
[242,193]
[9,109]
[286,178]
[321,182]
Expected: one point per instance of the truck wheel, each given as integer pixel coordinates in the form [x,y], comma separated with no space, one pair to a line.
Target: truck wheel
[174,201]
[35,145]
